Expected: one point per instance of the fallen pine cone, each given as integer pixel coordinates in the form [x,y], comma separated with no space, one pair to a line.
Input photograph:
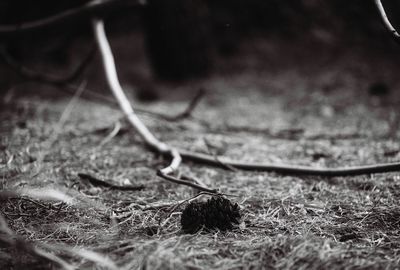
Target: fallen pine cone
[215,213]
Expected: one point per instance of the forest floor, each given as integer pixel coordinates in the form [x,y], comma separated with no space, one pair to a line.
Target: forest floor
[269,104]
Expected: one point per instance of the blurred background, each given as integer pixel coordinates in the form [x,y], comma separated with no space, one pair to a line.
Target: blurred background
[180,40]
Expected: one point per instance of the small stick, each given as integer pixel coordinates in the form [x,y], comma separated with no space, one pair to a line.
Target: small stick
[292,169]
[186,183]
[160,147]
[99,182]
[196,180]
[112,134]
[189,109]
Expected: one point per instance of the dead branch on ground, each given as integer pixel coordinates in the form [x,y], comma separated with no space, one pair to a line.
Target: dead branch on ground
[97,181]
[155,145]
[162,148]
[112,79]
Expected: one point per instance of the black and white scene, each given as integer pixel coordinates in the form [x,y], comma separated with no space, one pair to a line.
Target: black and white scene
[199,134]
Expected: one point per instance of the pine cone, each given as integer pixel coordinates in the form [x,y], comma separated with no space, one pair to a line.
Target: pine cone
[215,213]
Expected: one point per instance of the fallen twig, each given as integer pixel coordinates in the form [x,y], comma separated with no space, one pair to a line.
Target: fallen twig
[112,134]
[291,169]
[157,146]
[195,180]
[103,183]
[109,66]
[189,109]
[185,182]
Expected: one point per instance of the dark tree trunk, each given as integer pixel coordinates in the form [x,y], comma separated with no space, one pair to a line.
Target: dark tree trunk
[178,38]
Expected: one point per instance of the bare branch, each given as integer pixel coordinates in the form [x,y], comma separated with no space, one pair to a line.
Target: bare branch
[113,133]
[160,147]
[96,181]
[291,169]
[113,82]
[189,109]
[74,15]
[386,21]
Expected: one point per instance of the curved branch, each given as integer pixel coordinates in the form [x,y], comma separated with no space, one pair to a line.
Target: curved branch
[189,109]
[73,15]
[113,83]
[386,21]
[156,145]
[160,147]
[291,169]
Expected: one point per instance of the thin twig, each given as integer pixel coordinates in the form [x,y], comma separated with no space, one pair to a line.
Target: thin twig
[291,169]
[34,202]
[194,179]
[48,78]
[112,134]
[103,183]
[189,109]
[65,115]
[386,21]
[73,15]
[186,183]
[158,206]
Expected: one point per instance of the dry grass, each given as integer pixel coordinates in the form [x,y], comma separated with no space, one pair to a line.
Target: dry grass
[276,114]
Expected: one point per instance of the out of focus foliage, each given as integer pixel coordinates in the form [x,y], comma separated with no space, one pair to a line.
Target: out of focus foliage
[270,16]
[17,11]
[297,17]
[182,36]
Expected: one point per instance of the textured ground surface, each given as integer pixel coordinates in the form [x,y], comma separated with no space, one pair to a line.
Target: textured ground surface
[317,107]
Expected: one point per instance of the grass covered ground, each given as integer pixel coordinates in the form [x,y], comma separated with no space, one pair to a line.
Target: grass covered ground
[271,103]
